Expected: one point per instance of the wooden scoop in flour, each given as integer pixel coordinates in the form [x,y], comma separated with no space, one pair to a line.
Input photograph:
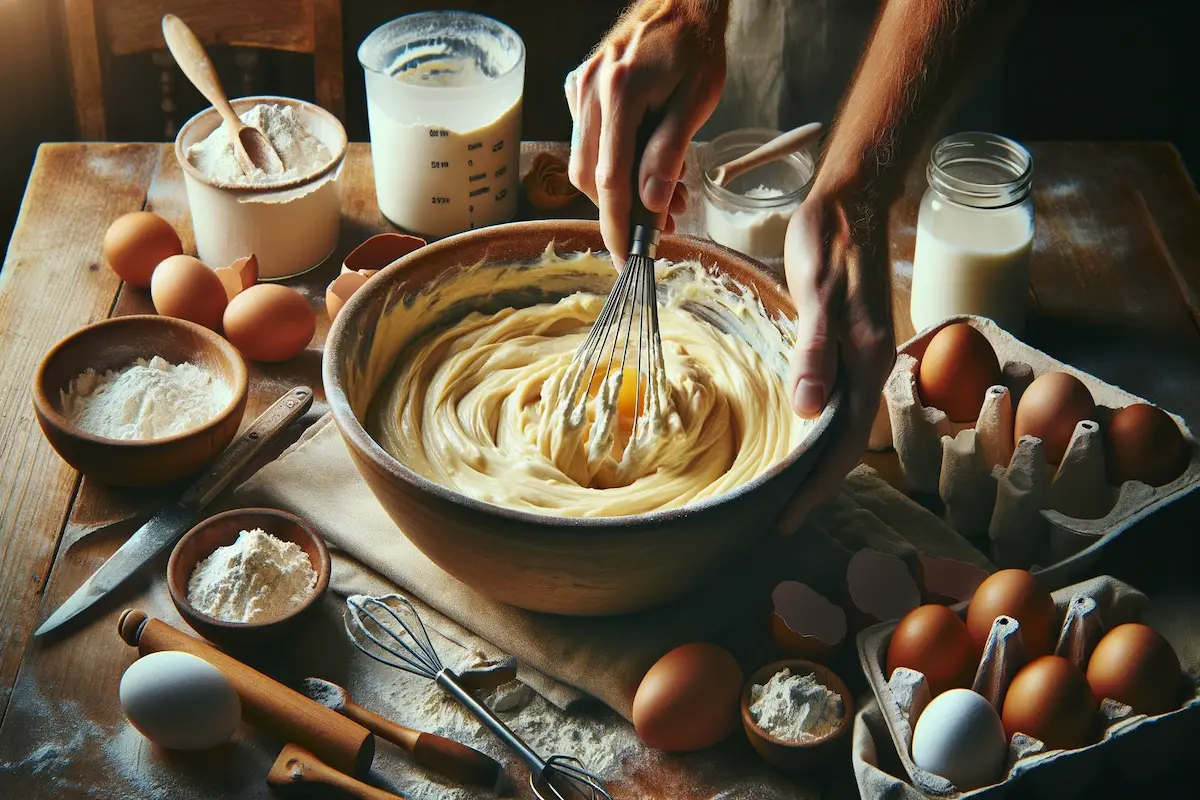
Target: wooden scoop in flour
[781,146]
[251,146]
[298,768]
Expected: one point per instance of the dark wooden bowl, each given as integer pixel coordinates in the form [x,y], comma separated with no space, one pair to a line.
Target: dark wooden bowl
[222,530]
[117,343]
[798,756]
[578,566]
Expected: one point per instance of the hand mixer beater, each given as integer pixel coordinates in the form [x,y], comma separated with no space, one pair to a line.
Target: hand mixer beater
[624,343]
[389,630]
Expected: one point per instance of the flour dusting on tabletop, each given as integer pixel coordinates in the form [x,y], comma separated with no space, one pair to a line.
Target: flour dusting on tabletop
[147,400]
[301,152]
[257,578]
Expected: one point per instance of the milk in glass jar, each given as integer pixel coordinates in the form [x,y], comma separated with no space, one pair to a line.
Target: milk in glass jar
[974,232]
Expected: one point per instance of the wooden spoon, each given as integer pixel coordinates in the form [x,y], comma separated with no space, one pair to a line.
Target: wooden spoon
[251,146]
[296,767]
[782,145]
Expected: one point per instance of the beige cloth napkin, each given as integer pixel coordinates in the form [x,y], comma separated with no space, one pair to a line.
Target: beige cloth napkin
[606,656]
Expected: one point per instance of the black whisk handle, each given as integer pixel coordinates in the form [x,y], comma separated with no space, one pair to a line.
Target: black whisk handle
[640,215]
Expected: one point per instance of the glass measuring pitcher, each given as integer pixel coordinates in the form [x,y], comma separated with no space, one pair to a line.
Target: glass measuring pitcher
[444,95]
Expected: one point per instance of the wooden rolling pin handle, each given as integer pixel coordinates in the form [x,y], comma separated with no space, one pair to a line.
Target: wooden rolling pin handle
[266,703]
[298,767]
[445,756]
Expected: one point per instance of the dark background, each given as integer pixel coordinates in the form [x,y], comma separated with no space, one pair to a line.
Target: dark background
[1098,70]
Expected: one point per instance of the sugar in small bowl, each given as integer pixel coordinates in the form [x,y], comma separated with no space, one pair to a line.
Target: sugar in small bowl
[245,576]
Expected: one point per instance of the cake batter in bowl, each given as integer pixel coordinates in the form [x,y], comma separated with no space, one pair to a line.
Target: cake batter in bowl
[441,377]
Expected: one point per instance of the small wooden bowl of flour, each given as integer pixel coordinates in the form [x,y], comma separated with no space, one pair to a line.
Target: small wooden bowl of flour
[140,400]
[797,714]
[245,576]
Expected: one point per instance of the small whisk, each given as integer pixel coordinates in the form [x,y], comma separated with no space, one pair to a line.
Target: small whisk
[626,332]
[389,630]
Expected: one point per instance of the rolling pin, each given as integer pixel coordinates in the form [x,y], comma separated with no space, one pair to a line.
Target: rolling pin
[340,742]
[298,767]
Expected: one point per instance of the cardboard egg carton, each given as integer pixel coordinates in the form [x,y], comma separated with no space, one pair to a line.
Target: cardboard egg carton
[1004,497]
[1089,609]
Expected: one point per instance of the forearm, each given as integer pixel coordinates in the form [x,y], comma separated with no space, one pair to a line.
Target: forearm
[711,16]
[918,57]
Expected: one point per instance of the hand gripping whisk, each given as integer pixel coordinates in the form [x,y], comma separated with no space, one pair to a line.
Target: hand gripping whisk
[389,630]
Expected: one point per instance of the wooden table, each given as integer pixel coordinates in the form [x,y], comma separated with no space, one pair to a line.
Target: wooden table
[1116,275]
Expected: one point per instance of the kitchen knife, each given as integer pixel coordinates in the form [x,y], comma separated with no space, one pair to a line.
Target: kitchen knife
[169,525]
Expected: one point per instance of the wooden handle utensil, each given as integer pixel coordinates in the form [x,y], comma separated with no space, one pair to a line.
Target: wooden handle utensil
[782,145]
[266,703]
[446,756]
[298,767]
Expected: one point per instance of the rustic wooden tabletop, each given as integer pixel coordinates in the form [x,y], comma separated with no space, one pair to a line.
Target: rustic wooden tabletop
[1116,279]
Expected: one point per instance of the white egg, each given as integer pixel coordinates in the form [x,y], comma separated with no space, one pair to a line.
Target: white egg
[960,737]
[180,701]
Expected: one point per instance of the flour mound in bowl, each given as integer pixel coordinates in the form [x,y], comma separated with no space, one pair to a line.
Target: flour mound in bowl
[476,405]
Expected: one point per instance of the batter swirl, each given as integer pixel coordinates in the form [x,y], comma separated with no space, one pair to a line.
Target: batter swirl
[473,406]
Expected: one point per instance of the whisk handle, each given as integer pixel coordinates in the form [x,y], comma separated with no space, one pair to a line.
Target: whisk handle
[449,683]
[652,222]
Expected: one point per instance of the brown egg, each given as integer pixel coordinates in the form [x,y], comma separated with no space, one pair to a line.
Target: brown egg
[1014,593]
[270,322]
[689,699]
[958,368]
[1144,444]
[137,243]
[1050,408]
[1049,699]
[1133,664]
[183,287]
[933,640]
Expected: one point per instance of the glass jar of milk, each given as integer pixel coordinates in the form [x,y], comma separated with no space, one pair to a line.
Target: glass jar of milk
[974,232]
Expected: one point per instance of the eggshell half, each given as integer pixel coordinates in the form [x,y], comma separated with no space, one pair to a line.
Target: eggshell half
[804,624]
[239,276]
[179,701]
[340,291]
[689,699]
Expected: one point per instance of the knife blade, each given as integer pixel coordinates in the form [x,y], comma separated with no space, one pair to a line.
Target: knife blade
[168,526]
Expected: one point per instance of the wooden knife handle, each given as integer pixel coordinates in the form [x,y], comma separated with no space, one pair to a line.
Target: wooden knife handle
[266,703]
[282,413]
[295,766]
[442,755]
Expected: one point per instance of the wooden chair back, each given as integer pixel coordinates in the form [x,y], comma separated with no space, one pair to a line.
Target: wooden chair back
[99,29]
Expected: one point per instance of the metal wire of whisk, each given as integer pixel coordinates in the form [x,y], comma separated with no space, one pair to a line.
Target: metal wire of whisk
[389,630]
[627,321]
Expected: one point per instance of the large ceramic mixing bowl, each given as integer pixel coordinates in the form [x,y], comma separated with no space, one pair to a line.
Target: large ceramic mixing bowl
[589,566]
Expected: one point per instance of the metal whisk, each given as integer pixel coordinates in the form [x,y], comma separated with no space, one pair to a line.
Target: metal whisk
[626,332]
[389,630]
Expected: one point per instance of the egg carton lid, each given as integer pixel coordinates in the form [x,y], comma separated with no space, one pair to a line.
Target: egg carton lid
[1137,502]
[1117,602]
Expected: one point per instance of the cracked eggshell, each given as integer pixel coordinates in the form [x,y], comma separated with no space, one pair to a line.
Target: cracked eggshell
[339,292]
[238,276]
[879,588]
[380,250]
[947,580]
[804,624]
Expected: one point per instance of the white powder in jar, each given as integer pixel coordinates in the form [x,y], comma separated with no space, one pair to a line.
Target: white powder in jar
[757,232]
[301,152]
[257,578]
[146,400]
[795,708]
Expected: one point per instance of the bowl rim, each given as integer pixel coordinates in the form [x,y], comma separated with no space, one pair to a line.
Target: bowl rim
[323,569]
[45,406]
[824,674]
[351,428]
[302,180]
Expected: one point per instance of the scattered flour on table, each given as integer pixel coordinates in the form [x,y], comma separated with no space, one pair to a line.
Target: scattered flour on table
[795,707]
[146,400]
[301,152]
[258,577]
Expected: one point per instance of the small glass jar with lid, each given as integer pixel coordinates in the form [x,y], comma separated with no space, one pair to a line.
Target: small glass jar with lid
[750,214]
[974,232]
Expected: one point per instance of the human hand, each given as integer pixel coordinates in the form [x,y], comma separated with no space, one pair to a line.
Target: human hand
[665,56]
[835,256]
